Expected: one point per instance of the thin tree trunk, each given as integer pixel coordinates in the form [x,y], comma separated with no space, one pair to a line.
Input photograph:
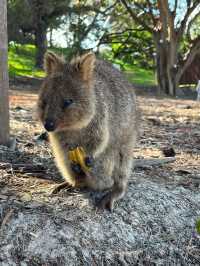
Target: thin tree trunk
[166,76]
[51,37]
[4,83]
[41,44]
[161,63]
[40,24]
[172,66]
[166,60]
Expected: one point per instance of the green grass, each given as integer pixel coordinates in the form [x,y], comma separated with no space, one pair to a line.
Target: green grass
[141,76]
[136,74]
[21,60]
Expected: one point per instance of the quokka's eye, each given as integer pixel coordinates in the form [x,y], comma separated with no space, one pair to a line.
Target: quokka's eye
[67,103]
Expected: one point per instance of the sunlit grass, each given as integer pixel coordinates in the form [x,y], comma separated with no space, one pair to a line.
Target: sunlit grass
[136,74]
[21,61]
[141,76]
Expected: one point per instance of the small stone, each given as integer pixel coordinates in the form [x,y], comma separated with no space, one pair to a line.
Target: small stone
[29,145]
[169,152]
[26,197]
[18,108]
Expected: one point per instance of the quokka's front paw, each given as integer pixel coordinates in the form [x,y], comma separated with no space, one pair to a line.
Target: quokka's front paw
[63,185]
[106,202]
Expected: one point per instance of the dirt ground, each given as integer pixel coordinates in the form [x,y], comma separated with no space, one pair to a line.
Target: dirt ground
[166,124]
[169,127]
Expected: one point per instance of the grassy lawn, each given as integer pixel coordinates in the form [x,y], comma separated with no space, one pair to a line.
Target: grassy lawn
[141,76]
[136,74]
[22,63]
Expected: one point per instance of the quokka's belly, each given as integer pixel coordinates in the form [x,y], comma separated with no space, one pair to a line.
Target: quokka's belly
[99,183]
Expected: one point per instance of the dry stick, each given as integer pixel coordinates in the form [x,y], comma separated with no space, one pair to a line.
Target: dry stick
[6,218]
[152,162]
[26,169]
[38,175]
[40,169]
[5,165]
[23,167]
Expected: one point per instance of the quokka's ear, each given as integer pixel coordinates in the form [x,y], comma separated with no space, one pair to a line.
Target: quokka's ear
[85,65]
[52,63]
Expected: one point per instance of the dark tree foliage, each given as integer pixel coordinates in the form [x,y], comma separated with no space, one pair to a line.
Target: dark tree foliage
[29,20]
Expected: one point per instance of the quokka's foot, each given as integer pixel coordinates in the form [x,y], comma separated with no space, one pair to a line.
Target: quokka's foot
[60,186]
[106,202]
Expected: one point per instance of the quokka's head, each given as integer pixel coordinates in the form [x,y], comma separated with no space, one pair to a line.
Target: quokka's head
[67,99]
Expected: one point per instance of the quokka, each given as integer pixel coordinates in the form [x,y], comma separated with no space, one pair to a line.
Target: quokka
[87,103]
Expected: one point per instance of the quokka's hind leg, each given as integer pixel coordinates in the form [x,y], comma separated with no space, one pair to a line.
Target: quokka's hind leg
[121,174]
[66,185]
[79,182]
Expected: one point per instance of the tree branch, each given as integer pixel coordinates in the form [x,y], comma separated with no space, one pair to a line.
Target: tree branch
[89,28]
[151,12]
[124,31]
[185,19]
[188,3]
[194,50]
[110,7]
[135,17]
[190,24]
[175,6]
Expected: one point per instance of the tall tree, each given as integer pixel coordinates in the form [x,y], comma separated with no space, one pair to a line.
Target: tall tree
[31,19]
[34,17]
[128,40]
[85,25]
[4,106]
[43,13]
[168,22]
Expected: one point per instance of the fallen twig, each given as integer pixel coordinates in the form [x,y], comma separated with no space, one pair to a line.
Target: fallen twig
[6,218]
[153,162]
[36,174]
[23,167]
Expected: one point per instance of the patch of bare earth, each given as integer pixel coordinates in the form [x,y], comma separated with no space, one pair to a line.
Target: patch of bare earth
[153,225]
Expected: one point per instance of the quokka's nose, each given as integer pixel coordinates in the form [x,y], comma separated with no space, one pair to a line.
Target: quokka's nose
[49,125]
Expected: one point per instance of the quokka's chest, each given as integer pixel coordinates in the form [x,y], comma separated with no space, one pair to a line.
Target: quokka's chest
[94,140]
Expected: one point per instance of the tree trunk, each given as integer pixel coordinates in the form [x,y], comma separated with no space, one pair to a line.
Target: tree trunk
[166,65]
[51,37]
[40,24]
[40,43]
[4,84]
[166,76]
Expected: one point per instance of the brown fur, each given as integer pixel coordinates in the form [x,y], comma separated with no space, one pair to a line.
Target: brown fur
[101,119]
